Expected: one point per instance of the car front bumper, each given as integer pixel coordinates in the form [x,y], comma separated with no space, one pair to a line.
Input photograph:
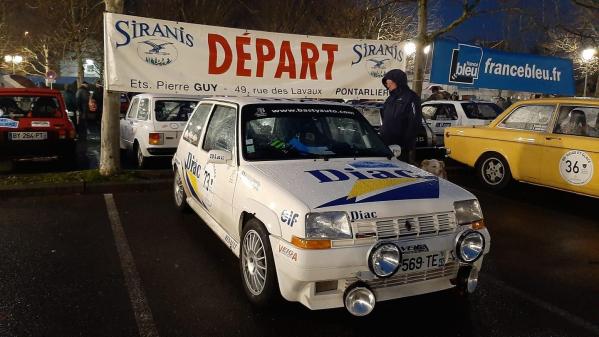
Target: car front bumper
[300,272]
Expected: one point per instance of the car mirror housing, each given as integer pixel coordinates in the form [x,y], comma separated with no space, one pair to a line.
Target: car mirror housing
[219,156]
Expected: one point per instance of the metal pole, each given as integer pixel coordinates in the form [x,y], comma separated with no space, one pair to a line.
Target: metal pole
[584,91]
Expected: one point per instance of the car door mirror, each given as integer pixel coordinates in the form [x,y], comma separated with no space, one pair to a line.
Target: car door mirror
[396,149]
[219,156]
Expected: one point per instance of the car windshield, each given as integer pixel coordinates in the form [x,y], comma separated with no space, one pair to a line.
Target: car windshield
[17,107]
[173,111]
[481,110]
[293,131]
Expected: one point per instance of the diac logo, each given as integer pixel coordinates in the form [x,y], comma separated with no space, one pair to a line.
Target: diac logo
[156,44]
[465,64]
[157,52]
[377,58]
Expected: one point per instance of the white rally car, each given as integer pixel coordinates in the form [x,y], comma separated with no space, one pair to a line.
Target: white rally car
[318,209]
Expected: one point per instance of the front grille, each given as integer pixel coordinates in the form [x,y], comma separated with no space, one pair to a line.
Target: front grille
[448,270]
[409,226]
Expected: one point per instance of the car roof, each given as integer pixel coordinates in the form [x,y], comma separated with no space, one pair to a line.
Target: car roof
[154,96]
[28,91]
[246,100]
[445,101]
[572,100]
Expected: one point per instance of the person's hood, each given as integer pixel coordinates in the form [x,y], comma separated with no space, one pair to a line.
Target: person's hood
[389,187]
[398,76]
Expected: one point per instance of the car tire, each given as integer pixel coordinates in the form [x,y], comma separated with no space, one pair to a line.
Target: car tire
[493,171]
[140,159]
[257,265]
[179,194]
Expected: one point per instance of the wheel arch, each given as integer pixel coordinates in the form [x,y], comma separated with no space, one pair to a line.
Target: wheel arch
[253,209]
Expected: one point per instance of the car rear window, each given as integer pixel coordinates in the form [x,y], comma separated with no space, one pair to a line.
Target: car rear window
[17,107]
[173,111]
[487,111]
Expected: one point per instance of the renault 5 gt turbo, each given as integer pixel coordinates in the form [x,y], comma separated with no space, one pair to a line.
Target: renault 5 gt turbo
[319,210]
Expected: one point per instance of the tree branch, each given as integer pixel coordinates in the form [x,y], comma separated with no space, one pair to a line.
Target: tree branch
[467,12]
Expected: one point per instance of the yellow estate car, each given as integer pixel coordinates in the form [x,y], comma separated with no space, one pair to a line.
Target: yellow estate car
[550,142]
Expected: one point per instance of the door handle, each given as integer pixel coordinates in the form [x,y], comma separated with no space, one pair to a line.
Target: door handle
[553,138]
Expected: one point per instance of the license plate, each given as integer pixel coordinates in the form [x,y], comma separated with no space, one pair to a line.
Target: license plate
[28,135]
[425,261]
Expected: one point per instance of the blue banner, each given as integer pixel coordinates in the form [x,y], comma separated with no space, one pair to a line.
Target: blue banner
[476,67]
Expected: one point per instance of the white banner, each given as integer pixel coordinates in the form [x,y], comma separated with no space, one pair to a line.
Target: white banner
[158,56]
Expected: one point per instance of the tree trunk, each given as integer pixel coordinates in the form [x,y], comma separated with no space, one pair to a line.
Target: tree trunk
[597,86]
[421,40]
[110,162]
[80,72]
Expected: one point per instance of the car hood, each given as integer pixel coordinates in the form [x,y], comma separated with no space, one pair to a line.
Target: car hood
[390,187]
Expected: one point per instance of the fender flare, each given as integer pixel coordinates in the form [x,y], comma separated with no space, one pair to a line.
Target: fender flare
[261,212]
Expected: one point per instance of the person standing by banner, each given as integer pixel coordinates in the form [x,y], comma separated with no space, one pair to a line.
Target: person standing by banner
[401,114]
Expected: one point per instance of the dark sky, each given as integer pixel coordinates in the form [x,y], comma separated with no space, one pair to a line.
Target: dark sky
[523,31]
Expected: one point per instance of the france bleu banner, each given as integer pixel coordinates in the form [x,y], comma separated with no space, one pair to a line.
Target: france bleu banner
[472,66]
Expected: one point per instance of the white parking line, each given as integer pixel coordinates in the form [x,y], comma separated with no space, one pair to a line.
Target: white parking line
[139,302]
[546,305]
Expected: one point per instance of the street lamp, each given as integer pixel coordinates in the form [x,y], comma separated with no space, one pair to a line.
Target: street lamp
[14,59]
[587,55]
[409,48]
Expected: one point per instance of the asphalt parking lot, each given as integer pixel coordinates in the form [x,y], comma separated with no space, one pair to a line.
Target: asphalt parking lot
[68,270]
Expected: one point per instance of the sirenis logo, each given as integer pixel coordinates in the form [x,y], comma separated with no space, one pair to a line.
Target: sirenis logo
[157,42]
[377,58]
[465,64]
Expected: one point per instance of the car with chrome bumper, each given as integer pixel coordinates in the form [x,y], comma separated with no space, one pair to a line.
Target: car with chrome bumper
[318,209]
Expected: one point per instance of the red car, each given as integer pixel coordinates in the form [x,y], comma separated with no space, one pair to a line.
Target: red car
[34,125]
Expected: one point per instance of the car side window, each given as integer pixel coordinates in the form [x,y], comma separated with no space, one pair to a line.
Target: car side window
[578,121]
[142,111]
[193,130]
[445,112]
[220,132]
[529,117]
[428,111]
[133,109]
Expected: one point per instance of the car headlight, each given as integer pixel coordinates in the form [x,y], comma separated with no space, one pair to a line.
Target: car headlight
[328,225]
[468,212]
[384,259]
[470,246]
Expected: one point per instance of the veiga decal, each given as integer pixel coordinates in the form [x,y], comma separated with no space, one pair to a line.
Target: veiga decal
[378,58]
[230,242]
[289,217]
[576,167]
[287,252]
[362,215]
[155,42]
[379,185]
[414,249]
[465,64]
[8,123]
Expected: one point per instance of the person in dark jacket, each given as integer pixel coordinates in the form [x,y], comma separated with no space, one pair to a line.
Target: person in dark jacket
[401,114]
[82,97]
[71,101]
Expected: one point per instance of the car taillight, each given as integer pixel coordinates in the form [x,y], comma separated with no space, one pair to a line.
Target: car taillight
[156,138]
